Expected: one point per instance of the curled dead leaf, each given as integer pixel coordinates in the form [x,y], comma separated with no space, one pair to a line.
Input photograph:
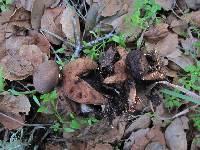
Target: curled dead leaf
[46,76]
[119,68]
[77,89]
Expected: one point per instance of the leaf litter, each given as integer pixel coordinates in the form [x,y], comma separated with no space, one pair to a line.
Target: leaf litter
[112,101]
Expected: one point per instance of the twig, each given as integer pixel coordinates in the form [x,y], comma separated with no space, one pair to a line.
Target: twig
[21,123]
[77,38]
[107,36]
[57,36]
[182,89]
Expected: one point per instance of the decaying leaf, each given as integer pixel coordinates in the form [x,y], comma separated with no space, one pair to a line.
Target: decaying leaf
[166,4]
[193,18]
[193,4]
[46,76]
[168,47]
[138,140]
[119,68]
[155,146]
[11,106]
[51,22]
[102,132]
[179,26]
[21,18]
[16,67]
[100,147]
[175,134]
[37,11]
[70,23]
[157,33]
[140,123]
[32,53]
[77,89]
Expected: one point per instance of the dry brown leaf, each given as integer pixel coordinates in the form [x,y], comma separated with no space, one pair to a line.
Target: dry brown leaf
[183,60]
[77,89]
[165,4]
[193,18]
[46,76]
[11,107]
[14,43]
[119,68]
[167,47]
[21,18]
[157,33]
[37,11]
[40,41]
[111,7]
[140,123]
[193,4]
[138,140]
[16,67]
[179,26]
[51,22]
[188,45]
[156,146]
[175,134]
[100,147]
[103,132]
[69,26]
[33,54]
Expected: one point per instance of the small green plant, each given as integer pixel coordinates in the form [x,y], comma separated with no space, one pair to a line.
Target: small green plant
[190,81]
[4,4]
[2,80]
[171,101]
[144,11]
[120,39]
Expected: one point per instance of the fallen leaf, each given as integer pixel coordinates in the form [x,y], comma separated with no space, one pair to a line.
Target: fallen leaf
[12,106]
[41,41]
[175,134]
[70,23]
[119,69]
[102,132]
[188,45]
[53,147]
[51,21]
[100,147]
[156,33]
[193,18]
[167,47]
[183,60]
[193,4]
[179,26]
[77,89]
[140,123]
[135,137]
[21,18]
[166,4]
[37,11]
[138,140]
[16,67]
[156,146]
[33,54]
[46,76]
[111,7]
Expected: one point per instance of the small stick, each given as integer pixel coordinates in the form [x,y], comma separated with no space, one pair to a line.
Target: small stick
[57,36]
[107,36]
[77,38]
[192,94]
